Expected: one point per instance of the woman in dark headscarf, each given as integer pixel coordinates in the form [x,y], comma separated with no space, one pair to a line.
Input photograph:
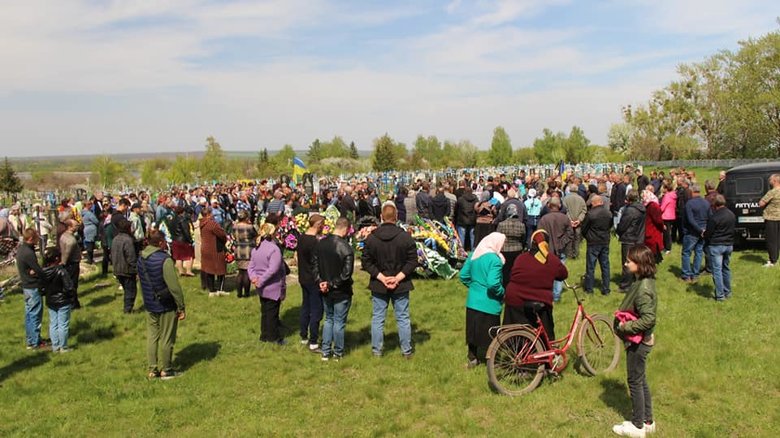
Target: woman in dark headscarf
[529,291]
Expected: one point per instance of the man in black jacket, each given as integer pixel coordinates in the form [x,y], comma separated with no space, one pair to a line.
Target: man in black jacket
[31,275]
[390,257]
[595,229]
[630,231]
[333,261]
[125,262]
[466,218]
[617,198]
[719,235]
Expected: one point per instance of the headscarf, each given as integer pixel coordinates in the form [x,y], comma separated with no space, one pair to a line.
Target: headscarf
[540,245]
[648,197]
[493,242]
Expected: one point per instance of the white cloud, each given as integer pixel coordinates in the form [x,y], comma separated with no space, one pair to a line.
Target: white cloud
[459,78]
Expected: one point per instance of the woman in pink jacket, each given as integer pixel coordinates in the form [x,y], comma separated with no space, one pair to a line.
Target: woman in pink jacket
[668,213]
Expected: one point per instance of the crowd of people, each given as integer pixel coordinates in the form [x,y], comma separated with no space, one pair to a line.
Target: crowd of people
[519,232]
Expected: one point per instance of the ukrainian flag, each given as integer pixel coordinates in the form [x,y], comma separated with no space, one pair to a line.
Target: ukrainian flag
[298,169]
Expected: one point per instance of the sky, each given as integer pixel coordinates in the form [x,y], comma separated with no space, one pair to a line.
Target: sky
[124,76]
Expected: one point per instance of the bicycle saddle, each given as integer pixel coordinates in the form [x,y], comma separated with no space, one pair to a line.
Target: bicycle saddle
[534,306]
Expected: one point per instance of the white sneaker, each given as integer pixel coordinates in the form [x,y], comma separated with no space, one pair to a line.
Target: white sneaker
[627,428]
[314,346]
[768,264]
[222,293]
[213,294]
[650,428]
[304,341]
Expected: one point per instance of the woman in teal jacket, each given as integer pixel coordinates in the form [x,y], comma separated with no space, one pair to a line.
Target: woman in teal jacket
[482,273]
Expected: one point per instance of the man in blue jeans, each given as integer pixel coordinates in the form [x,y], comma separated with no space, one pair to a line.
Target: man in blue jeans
[720,244]
[697,212]
[31,276]
[390,257]
[333,261]
[595,229]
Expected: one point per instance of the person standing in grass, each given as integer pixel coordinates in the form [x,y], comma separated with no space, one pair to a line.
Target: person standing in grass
[31,276]
[311,304]
[125,264]
[333,261]
[640,303]
[595,229]
[244,234]
[483,275]
[58,289]
[164,303]
[720,244]
[268,273]
[390,258]
[697,211]
[771,205]
[70,256]
[212,254]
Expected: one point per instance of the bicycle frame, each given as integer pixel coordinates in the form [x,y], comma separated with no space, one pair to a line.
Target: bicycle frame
[553,348]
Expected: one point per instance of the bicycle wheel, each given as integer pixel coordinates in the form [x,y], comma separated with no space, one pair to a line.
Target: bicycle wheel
[598,345]
[505,368]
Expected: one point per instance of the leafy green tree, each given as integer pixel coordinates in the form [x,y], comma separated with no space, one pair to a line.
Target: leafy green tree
[9,181]
[353,152]
[523,155]
[150,172]
[551,148]
[315,151]
[263,165]
[576,146]
[107,171]
[385,154]
[335,148]
[500,148]
[213,163]
[282,162]
[183,170]
[619,137]
[427,152]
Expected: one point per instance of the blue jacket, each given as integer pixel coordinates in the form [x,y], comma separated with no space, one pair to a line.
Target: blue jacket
[697,212]
[90,225]
[484,278]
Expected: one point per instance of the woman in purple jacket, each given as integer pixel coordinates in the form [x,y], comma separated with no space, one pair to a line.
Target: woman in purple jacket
[268,273]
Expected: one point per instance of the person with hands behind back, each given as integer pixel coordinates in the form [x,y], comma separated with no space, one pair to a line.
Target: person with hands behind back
[164,303]
[333,261]
[637,316]
[390,258]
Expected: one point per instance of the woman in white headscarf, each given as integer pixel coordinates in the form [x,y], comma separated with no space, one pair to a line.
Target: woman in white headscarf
[482,273]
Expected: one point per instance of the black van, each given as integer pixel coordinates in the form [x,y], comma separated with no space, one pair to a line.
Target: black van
[745,186]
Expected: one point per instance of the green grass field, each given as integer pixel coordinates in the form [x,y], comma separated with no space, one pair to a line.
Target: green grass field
[714,371]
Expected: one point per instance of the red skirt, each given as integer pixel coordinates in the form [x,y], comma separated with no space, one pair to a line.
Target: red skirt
[182,251]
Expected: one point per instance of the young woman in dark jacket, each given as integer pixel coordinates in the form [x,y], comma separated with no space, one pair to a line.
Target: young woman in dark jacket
[636,316]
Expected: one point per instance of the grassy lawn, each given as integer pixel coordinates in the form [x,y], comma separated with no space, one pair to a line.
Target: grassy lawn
[714,371]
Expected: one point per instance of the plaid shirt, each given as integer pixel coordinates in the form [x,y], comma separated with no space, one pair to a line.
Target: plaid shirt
[514,230]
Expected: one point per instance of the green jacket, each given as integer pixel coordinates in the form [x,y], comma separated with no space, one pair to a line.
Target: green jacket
[484,279]
[642,300]
[170,277]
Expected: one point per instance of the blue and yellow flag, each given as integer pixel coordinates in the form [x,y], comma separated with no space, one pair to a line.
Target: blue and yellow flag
[298,169]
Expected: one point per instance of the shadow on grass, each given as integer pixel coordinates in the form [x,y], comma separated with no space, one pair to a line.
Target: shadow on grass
[99,285]
[23,364]
[198,352]
[99,301]
[675,270]
[615,395]
[85,333]
[703,288]
[752,258]
[291,320]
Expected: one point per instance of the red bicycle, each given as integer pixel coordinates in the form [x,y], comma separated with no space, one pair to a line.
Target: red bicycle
[520,354]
